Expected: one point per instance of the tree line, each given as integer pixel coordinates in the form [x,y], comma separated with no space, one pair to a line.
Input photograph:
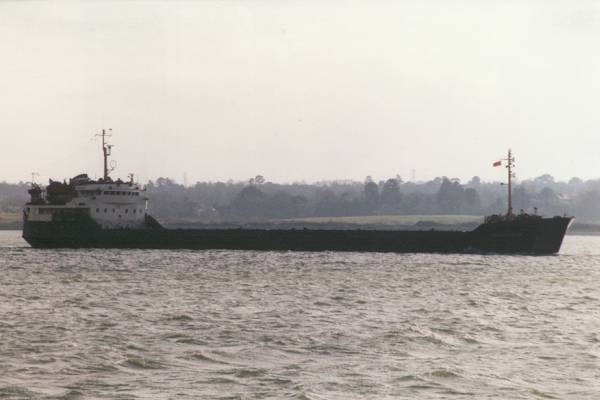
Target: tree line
[259,199]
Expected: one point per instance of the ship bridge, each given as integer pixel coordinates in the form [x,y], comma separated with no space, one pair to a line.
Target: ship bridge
[113,204]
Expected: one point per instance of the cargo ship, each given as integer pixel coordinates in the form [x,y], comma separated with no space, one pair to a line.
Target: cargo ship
[107,213]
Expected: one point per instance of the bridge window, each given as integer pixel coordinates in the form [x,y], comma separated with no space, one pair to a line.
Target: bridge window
[105,210]
[113,210]
[97,210]
[126,211]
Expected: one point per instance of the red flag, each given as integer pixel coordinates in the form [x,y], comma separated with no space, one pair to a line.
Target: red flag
[497,164]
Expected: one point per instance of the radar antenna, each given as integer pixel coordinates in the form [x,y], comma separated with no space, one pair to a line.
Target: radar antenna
[106,148]
[33,175]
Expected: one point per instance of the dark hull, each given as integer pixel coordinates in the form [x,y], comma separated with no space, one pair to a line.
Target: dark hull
[527,236]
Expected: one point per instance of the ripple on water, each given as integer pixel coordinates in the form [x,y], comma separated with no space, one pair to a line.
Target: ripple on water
[180,317]
[139,362]
[200,356]
[443,373]
[17,392]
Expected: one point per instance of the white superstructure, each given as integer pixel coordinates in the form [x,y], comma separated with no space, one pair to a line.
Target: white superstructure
[112,204]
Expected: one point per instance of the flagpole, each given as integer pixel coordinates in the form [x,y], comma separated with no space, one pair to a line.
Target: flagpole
[509,167]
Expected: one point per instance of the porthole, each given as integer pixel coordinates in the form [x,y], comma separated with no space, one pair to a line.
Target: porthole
[97,210]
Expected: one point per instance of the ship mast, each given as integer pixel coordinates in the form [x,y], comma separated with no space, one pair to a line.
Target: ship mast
[510,165]
[105,150]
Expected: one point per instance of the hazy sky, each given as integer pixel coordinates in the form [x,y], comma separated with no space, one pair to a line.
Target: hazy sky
[300,90]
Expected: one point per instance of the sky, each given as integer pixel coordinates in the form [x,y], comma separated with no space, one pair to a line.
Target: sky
[300,90]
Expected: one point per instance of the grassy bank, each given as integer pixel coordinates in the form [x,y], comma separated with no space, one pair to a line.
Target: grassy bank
[7,218]
[10,221]
[393,219]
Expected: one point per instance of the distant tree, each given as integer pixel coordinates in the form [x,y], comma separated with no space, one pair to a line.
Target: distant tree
[521,199]
[497,207]
[327,203]
[249,202]
[472,201]
[390,194]
[545,180]
[547,201]
[283,205]
[418,203]
[475,181]
[250,194]
[548,195]
[586,206]
[450,197]
[371,195]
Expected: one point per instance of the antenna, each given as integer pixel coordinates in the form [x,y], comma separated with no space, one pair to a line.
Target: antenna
[106,148]
[33,175]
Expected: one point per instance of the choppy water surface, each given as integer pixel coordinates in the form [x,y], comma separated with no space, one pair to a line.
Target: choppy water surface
[271,325]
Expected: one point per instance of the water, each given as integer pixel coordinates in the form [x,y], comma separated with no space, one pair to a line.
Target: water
[132,324]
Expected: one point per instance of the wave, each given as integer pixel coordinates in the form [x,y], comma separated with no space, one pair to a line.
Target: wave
[142,363]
